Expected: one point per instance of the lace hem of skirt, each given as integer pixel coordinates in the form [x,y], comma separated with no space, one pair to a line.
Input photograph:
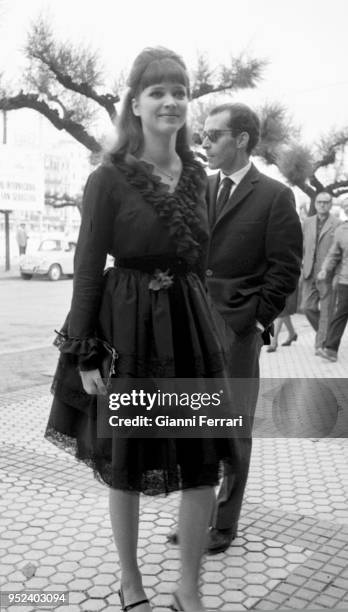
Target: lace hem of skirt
[152,482]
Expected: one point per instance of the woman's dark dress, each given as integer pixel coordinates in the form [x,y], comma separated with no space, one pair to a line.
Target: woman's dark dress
[168,332]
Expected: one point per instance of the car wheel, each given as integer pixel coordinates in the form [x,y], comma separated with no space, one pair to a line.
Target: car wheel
[26,276]
[55,272]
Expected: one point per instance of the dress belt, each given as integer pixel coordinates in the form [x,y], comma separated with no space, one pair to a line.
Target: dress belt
[152,263]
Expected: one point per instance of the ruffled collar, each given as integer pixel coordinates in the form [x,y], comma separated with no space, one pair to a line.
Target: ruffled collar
[179,209]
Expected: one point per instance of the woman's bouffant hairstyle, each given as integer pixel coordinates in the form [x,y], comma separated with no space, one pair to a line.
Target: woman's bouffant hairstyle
[152,66]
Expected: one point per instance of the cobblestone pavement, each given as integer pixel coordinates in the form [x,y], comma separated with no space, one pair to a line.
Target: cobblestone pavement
[292,548]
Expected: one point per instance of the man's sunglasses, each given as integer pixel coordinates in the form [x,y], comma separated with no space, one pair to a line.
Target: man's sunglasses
[214,135]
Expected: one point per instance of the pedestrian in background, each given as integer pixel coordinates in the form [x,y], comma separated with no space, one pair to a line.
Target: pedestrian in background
[22,239]
[337,261]
[285,319]
[318,294]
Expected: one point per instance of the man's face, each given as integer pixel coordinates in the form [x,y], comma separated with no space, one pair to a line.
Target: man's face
[323,203]
[222,148]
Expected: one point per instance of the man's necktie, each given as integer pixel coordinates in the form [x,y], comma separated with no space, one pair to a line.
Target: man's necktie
[224,194]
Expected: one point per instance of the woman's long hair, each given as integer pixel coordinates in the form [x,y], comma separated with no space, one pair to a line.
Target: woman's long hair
[153,65]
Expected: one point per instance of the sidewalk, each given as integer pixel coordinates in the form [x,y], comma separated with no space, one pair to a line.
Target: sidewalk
[292,549]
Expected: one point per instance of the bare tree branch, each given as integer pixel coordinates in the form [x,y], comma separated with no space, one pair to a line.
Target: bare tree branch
[318,185]
[309,191]
[59,58]
[76,130]
[340,192]
[328,147]
[63,201]
[242,73]
[337,185]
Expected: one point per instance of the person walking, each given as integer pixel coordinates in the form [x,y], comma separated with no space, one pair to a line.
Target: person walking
[254,262]
[284,318]
[317,294]
[337,261]
[253,265]
[146,207]
[22,239]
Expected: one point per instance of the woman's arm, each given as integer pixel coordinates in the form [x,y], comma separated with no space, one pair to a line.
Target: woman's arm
[94,243]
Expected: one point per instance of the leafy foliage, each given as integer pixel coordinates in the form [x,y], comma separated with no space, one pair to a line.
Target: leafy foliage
[276,130]
[295,163]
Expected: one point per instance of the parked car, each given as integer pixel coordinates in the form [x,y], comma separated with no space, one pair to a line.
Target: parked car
[54,258]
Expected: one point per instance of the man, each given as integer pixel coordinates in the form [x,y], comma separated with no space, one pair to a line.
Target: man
[337,256]
[317,294]
[254,263]
[22,239]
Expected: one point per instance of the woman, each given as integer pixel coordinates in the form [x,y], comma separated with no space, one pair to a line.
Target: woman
[285,317]
[145,206]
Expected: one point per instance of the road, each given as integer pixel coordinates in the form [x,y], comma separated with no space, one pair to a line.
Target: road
[30,311]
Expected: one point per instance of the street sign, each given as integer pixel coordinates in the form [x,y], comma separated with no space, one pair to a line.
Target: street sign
[21,179]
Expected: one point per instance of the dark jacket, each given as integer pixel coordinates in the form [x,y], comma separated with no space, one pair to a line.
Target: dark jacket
[313,253]
[255,251]
[337,257]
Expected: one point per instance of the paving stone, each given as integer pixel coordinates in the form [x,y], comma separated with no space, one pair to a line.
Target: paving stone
[315,585]
[211,602]
[287,588]
[255,567]
[76,597]
[276,573]
[232,596]
[277,598]
[325,600]
[341,583]
[234,572]
[298,604]
[80,584]
[306,594]
[250,602]
[151,581]
[255,590]
[256,578]
[99,592]
[276,562]
[212,589]
[267,605]
[68,566]
[213,577]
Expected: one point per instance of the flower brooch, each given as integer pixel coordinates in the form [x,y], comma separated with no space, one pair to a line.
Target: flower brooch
[161,280]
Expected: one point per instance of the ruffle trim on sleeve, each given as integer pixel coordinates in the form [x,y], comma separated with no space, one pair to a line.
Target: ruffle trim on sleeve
[83,348]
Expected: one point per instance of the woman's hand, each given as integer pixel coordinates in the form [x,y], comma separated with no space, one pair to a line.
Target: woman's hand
[92,382]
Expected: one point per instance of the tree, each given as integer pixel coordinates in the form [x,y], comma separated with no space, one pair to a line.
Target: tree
[66,84]
[63,82]
[317,169]
[62,201]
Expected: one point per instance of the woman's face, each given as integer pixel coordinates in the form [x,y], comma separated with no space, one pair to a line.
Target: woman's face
[162,108]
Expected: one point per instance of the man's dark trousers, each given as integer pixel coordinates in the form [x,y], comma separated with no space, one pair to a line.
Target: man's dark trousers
[339,319]
[244,364]
[253,265]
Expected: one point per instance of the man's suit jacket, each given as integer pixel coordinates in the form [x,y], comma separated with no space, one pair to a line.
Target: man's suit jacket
[255,251]
[311,255]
